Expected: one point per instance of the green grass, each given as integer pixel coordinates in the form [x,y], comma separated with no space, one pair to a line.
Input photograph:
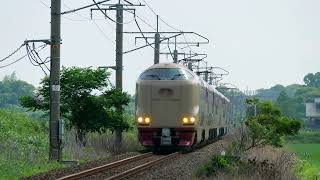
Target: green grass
[23,146]
[308,152]
[306,146]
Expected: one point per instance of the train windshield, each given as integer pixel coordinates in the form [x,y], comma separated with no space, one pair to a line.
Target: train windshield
[166,74]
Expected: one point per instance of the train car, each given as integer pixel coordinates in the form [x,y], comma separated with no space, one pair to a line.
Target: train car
[176,108]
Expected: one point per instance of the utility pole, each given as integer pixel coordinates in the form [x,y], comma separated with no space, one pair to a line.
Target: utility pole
[206,73]
[157,44]
[158,40]
[175,56]
[119,8]
[175,52]
[54,140]
[119,55]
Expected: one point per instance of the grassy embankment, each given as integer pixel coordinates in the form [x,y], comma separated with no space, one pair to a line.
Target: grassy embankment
[299,159]
[306,146]
[24,146]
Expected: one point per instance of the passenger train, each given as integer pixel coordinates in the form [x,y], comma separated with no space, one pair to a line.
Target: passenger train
[176,108]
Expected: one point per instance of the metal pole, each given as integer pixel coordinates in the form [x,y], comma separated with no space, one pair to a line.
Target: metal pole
[119,66]
[190,65]
[175,52]
[157,44]
[206,75]
[175,56]
[55,148]
[119,46]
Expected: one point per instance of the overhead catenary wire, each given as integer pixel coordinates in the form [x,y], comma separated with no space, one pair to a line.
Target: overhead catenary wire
[84,18]
[141,32]
[105,14]
[172,27]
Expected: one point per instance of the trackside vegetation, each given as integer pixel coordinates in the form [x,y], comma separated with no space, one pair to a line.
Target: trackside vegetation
[23,146]
[265,126]
[306,146]
[88,102]
[90,107]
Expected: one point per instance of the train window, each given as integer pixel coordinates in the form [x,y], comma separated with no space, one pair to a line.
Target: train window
[166,74]
[189,75]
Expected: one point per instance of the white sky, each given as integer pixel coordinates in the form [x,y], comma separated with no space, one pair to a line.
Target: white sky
[261,42]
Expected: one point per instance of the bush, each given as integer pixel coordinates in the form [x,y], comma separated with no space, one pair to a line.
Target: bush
[219,164]
[305,170]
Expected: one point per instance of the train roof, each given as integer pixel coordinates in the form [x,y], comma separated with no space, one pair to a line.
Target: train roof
[212,88]
[175,65]
[167,65]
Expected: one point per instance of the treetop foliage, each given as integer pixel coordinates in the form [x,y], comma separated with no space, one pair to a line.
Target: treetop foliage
[312,80]
[83,109]
[11,89]
[269,126]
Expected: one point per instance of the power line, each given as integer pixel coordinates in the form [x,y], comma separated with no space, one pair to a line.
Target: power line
[11,54]
[144,21]
[13,62]
[19,59]
[35,58]
[91,20]
[142,33]
[105,14]
[103,33]
[174,28]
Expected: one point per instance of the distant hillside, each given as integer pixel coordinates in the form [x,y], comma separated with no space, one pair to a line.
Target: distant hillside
[291,99]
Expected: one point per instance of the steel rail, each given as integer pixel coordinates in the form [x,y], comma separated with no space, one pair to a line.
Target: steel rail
[141,167]
[98,169]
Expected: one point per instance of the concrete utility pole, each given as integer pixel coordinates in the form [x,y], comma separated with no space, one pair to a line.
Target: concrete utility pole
[157,44]
[119,8]
[54,141]
[119,55]
[119,45]
[175,52]
[175,56]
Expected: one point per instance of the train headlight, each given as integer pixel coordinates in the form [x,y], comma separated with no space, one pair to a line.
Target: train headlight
[188,120]
[140,119]
[147,120]
[144,120]
[185,120]
[192,119]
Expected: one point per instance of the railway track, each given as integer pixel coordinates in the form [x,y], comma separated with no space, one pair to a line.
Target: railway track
[119,169]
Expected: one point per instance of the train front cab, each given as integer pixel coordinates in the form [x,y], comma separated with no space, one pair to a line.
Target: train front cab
[170,108]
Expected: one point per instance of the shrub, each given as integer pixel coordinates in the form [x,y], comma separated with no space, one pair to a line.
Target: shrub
[218,164]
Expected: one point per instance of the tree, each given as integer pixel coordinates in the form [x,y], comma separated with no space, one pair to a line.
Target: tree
[83,110]
[11,89]
[286,104]
[267,127]
[312,80]
[116,99]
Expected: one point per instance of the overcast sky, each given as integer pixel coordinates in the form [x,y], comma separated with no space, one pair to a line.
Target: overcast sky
[261,42]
